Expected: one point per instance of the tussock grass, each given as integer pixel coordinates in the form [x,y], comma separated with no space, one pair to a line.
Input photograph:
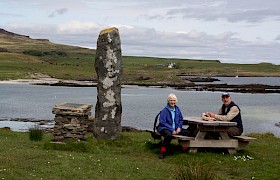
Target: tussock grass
[195,171]
[35,133]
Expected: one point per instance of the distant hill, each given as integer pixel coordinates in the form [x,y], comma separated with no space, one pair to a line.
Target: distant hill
[17,43]
[8,33]
[24,57]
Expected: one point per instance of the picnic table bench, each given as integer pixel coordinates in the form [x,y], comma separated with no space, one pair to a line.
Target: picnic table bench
[221,127]
[243,141]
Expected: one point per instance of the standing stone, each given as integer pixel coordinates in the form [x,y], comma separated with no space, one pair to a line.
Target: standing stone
[108,66]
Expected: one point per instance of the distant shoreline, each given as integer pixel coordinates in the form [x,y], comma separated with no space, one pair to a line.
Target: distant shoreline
[187,86]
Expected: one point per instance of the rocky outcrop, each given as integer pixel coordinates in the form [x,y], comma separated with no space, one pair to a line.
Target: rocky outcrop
[3,31]
[3,50]
[242,88]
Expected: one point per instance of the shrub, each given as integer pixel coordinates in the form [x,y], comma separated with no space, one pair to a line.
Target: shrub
[45,53]
[3,50]
[35,133]
[33,53]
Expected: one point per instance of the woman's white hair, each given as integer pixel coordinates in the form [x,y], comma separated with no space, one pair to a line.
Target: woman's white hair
[172,95]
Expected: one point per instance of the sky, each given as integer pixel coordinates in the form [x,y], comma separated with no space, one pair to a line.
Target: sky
[232,31]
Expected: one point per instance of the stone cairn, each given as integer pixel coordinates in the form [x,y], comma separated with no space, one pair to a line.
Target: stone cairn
[108,66]
[71,121]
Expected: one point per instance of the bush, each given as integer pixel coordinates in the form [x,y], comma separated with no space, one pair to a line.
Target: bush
[45,53]
[3,50]
[54,53]
[33,53]
[35,133]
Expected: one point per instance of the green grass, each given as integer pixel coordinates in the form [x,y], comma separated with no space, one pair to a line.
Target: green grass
[133,156]
[157,71]
[20,66]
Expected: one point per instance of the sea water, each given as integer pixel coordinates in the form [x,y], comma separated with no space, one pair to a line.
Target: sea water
[260,112]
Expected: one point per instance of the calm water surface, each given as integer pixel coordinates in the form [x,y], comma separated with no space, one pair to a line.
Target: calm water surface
[260,112]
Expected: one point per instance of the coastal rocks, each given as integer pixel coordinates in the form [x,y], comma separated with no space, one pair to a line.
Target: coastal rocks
[3,50]
[5,129]
[71,121]
[40,121]
[243,88]
[198,79]
[68,83]
[108,66]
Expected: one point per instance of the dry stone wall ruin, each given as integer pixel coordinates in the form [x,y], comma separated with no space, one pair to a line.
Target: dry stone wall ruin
[71,121]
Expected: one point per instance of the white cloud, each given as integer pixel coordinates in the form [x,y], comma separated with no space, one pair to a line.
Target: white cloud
[78,27]
[277,38]
[58,12]
[137,41]
[249,11]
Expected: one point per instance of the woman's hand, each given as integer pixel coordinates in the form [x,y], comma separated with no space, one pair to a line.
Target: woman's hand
[178,130]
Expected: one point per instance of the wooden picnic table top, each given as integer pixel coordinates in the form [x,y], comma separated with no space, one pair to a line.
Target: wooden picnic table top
[199,121]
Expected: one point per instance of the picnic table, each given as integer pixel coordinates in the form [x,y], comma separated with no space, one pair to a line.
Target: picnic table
[221,127]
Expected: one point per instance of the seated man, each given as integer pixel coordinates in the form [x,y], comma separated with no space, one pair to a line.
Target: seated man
[229,111]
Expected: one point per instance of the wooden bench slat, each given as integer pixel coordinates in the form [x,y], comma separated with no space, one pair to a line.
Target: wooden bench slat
[184,138]
[232,143]
[245,138]
[157,135]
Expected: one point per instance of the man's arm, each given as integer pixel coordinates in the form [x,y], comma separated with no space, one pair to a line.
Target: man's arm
[230,115]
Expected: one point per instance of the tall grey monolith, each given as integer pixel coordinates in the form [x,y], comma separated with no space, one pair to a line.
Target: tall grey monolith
[108,66]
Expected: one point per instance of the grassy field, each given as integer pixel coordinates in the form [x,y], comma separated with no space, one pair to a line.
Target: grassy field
[133,156]
[26,57]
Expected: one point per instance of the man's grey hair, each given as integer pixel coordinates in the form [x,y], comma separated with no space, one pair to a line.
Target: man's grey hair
[172,95]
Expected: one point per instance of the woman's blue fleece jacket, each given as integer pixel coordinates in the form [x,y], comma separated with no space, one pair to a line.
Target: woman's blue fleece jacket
[165,120]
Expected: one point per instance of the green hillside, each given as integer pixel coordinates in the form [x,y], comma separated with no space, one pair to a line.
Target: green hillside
[22,57]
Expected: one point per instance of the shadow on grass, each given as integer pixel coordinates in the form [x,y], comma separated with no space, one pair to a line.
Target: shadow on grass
[154,147]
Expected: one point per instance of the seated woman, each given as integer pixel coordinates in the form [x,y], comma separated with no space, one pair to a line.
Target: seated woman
[170,123]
